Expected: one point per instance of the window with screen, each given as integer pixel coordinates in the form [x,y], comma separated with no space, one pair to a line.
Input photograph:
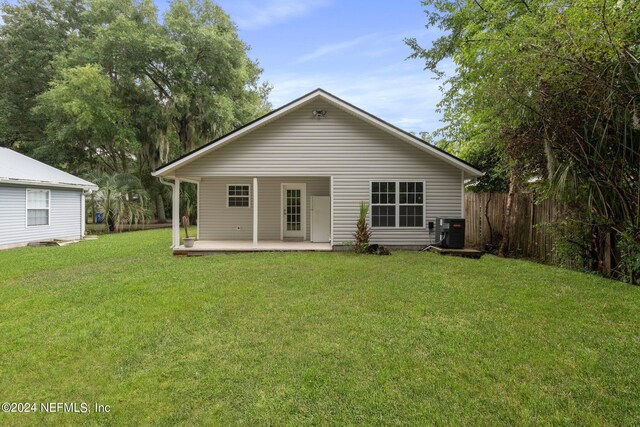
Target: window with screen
[411,201]
[37,207]
[238,196]
[383,204]
[397,204]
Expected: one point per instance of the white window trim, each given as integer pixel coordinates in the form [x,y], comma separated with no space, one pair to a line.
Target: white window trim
[397,204]
[248,197]
[26,207]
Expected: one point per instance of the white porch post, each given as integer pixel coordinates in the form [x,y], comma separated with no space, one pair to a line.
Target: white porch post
[198,210]
[175,213]
[255,211]
[331,204]
[462,191]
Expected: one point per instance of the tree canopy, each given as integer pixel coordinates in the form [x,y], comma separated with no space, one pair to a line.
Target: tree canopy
[553,88]
[107,84]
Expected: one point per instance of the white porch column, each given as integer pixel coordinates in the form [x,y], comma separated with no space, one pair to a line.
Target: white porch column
[331,204]
[462,191]
[255,211]
[198,210]
[175,213]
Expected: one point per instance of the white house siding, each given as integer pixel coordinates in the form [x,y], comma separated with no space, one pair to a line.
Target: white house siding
[340,145]
[217,221]
[65,217]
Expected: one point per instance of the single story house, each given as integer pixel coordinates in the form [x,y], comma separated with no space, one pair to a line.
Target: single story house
[295,178]
[38,202]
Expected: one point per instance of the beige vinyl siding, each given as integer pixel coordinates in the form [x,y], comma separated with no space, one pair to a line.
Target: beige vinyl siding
[341,145]
[217,221]
[65,217]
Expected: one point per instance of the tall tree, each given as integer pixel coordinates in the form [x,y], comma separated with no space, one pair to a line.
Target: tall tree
[108,84]
[221,91]
[82,109]
[553,86]
[31,35]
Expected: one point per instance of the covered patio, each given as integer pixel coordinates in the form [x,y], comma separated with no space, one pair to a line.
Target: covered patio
[252,214]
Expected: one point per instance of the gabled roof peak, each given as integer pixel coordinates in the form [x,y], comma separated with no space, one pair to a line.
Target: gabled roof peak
[168,168]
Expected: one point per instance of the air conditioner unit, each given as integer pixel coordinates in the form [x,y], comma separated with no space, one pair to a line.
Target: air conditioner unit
[450,233]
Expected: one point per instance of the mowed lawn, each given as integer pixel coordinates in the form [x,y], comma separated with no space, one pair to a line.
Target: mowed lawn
[312,338]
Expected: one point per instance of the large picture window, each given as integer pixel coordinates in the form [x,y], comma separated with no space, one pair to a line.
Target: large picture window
[397,204]
[37,207]
[238,196]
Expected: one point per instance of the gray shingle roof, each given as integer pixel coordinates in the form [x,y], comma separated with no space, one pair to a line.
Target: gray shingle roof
[16,168]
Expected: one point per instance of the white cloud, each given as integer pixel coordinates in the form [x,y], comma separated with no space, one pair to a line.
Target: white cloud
[408,121]
[378,44]
[265,13]
[332,48]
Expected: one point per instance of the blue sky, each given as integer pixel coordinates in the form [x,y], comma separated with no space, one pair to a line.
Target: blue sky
[351,48]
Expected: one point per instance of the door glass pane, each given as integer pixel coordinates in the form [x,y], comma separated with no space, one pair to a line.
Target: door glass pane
[294,219]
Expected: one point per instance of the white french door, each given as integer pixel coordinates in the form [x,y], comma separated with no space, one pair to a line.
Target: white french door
[294,211]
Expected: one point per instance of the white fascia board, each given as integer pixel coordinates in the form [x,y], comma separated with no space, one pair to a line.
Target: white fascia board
[48,184]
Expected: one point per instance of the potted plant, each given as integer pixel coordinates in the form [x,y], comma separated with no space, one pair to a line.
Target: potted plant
[188,241]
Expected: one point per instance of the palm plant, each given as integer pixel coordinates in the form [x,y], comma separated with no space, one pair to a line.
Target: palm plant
[121,198]
[363,231]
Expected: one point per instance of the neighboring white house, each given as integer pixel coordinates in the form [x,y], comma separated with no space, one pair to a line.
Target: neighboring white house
[299,173]
[38,202]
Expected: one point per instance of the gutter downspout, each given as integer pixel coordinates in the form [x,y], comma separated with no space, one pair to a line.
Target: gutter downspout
[83,212]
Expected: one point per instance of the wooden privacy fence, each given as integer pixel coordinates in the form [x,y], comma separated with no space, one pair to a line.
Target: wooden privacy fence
[530,236]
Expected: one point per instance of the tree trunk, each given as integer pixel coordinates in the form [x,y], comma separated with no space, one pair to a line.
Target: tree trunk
[504,245]
[109,222]
[607,252]
[486,215]
[183,134]
[123,160]
[552,163]
[593,261]
[160,216]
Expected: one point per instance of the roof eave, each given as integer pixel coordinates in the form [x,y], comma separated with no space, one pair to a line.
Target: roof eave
[88,186]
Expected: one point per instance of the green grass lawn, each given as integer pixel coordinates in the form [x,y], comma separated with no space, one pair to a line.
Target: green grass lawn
[312,338]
